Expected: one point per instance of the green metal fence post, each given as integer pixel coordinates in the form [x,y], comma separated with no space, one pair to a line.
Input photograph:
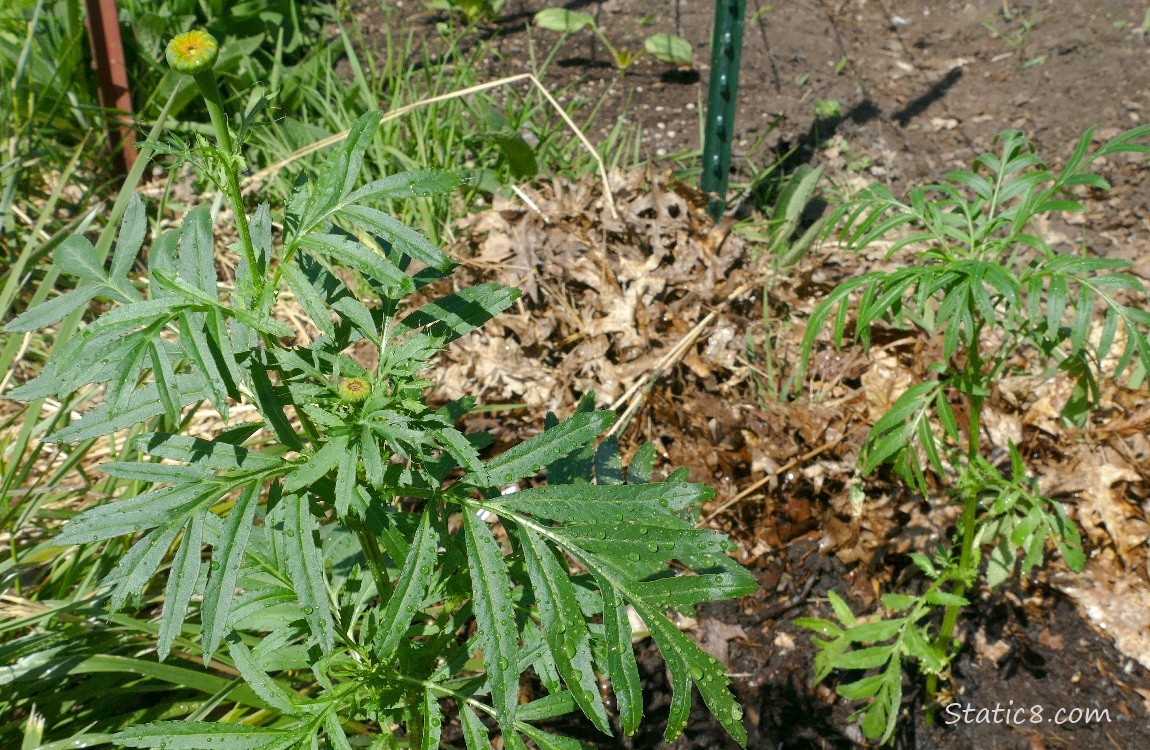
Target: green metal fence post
[726,53]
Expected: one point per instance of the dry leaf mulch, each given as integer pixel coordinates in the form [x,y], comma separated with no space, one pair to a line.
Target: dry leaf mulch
[614,305]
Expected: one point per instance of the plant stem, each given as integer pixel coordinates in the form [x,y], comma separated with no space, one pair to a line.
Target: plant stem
[969,521]
[968,524]
[373,554]
[206,81]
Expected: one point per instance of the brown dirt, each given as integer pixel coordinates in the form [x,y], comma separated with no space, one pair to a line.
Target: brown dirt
[924,88]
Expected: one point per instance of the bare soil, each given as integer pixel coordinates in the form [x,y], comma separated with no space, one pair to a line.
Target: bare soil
[922,88]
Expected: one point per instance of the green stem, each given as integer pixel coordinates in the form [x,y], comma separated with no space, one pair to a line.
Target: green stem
[373,554]
[610,47]
[969,521]
[448,693]
[206,81]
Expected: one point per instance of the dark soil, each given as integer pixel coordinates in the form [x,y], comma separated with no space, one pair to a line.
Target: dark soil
[922,88]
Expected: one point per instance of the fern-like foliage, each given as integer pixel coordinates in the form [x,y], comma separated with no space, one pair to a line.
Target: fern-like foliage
[365,563]
[980,276]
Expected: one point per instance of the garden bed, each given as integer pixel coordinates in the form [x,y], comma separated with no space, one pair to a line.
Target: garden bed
[613,304]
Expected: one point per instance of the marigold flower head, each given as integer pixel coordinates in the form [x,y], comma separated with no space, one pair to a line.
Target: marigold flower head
[193,52]
[354,389]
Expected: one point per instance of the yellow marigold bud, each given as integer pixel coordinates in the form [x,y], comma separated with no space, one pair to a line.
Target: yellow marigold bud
[354,389]
[193,52]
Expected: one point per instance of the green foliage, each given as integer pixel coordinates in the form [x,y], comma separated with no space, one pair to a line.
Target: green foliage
[489,138]
[1001,299]
[262,42]
[471,10]
[667,48]
[380,569]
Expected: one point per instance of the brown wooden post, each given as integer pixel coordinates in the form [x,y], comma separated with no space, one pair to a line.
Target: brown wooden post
[112,78]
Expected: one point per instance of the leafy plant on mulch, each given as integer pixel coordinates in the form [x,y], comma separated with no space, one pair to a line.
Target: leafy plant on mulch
[1001,298]
[429,598]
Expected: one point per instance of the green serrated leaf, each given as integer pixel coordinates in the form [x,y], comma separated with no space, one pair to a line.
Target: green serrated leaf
[432,721]
[621,665]
[360,257]
[333,730]
[842,611]
[196,263]
[402,237]
[308,296]
[194,336]
[142,471]
[318,465]
[346,479]
[915,644]
[419,183]
[76,256]
[182,580]
[410,588]
[208,454]
[528,457]
[862,689]
[864,658]
[873,632]
[494,616]
[474,732]
[258,679]
[227,557]
[686,591]
[460,313]
[944,599]
[137,514]
[592,504]
[136,568]
[337,176]
[564,627]
[897,602]
[642,464]
[822,627]
[305,566]
[688,663]
[197,735]
[133,227]
[54,310]
[547,741]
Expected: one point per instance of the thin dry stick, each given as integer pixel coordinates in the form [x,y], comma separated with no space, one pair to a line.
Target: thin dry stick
[19,356]
[673,355]
[251,182]
[785,467]
[29,221]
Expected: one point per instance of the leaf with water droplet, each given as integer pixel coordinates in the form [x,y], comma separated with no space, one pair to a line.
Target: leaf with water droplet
[564,627]
[410,587]
[491,586]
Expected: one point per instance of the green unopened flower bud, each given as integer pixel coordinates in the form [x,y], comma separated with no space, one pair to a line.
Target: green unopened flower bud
[354,390]
[193,52]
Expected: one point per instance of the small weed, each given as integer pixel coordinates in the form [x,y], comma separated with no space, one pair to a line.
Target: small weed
[667,48]
[1015,29]
[828,108]
[761,13]
[471,10]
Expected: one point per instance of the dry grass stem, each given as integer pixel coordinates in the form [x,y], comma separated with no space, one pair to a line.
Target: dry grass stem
[254,181]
